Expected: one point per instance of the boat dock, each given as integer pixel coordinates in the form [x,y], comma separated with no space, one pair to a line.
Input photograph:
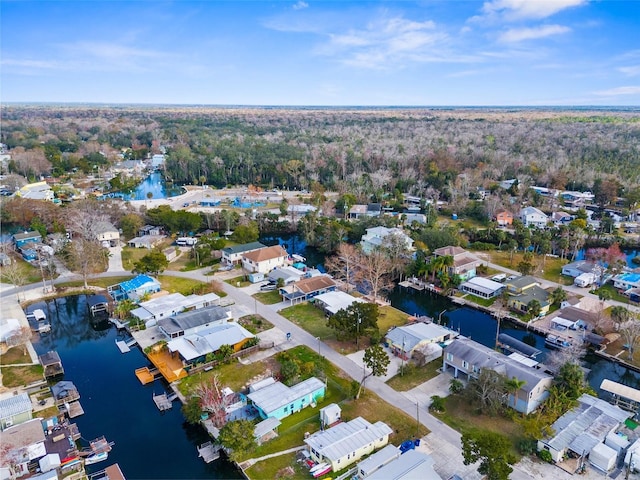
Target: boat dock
[119,325]
[38,315]
[209,452]
[147,376]
[72,409]
[164,401]
[125,346]
[414,283]
[112,472]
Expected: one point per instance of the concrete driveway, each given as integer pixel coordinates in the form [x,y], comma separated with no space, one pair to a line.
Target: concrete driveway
[392,370]
[115,259]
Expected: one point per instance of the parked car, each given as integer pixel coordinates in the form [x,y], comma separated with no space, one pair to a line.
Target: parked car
[225,268]
[268,287]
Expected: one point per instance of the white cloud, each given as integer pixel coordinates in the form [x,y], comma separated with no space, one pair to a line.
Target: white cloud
[300,5]
[630,71]
[627,90]
[513,35]
[527,9]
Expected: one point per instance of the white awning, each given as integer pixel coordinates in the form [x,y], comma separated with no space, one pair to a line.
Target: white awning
[620,390]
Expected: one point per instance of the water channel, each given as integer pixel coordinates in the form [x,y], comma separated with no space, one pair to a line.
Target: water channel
[148,444]
[155,185]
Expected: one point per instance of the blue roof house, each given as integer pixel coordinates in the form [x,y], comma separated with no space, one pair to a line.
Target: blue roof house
[21,239]
[276,400]
[135,288]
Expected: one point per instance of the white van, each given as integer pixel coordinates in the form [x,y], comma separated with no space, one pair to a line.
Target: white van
[501,277]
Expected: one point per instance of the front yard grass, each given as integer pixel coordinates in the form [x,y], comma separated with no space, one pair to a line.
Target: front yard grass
[15,355]
[185,286]
[255,323]
[414,376]
[238,281]
[461,415]
[485,302]
[390,317]
[96,282]
[613,293]
[268,298]
[18,376]
[310,318]
[550,269]
[131,255]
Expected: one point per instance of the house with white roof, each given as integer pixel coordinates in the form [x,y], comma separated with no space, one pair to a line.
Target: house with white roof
[36,191]
[15,409]
[172,304]
[532,217]
[194,347]
[377,236]
[346,443]
[331,302]
[482,287]
[278,400]
[404,340]
[264,259]
[411,465]
[583,428]
[468,358]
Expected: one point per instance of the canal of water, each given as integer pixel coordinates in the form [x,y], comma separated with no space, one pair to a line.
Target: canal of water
[155,185]
[148,444]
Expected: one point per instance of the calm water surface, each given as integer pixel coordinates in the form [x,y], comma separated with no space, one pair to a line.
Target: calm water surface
[155,185]
[148,444]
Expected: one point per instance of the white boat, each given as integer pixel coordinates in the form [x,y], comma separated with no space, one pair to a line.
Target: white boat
[556,341]
[318,467]
[95,458]
[322,471]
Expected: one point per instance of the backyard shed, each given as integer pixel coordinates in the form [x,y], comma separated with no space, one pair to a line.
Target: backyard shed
[618,441]
[330,415]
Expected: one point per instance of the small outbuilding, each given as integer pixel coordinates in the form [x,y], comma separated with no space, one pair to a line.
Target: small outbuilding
[602,457]
[329,415]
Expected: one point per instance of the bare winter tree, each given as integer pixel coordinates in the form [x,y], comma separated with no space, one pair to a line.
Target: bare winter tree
[213,400]
[343,264]
[375,269]
[557,358]
[15,274]
[21,337]
[86,257]
[630,332]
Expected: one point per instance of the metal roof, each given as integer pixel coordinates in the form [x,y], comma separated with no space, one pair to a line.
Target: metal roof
[277,395]
[15,405]
[377,460]
[518,345]
[409,466]
[409,336]
[208,341]
[336,442]
[266,426]
[194,318]
[243,248]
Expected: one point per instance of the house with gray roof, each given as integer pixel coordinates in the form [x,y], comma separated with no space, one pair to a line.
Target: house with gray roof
[468,358]
[408,466]
[575,269]
[15,409]
[404,340]
[191,322]
[346,443]
[168,305]
[278,400]
[583,428]
[194,347]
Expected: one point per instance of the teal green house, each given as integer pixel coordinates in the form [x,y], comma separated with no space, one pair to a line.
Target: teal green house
[276,400]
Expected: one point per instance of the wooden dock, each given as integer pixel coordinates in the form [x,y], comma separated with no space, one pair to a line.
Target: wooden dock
[119,325]
[147,376]
[74,409]
[209,452]
[164,402]
[414,283]
[125,346]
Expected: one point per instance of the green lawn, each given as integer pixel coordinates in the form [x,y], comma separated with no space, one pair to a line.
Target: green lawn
[391,317]
[185,286]
[238,281]
[15,355]
[311,318]
[18,376]
[268,298]
[485,302]
[131,255]
[414,376]
[97,282]
[613,293]
[233,375]
[549,268]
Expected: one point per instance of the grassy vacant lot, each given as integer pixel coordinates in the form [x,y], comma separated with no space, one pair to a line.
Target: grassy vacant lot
[233,375]
[549,268]
[461,415]
[314,321]
[15,355]
[485,302]
[255,323]
[268,298]
[131,255]
[185,286]
[238,281]
[97,282]
[414,376]
[17,376]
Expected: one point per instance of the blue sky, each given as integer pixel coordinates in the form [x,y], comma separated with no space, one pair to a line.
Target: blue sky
[497,52]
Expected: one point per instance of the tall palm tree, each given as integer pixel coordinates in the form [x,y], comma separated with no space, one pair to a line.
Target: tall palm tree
[513,386]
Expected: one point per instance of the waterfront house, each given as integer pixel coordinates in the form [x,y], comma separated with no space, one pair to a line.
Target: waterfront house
[626,281]
[107,234]
[307,288]
[583,428]
[331,302]
[520,284]
[482,287]
[278,401]
[573,318]
[561,218]
[520,302]
[22,239]
[466,357]
[575,269]
[411,465]
[21,445]
[264,259]
[532,217]
[346,443]
[404,340]
[135,288]
[172,304]
[9,330]
[377,236]
[194,347]
[146,241]
[464,263]
[504,218]
[64,392]
[233,255]
[15,409]
[192,322]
